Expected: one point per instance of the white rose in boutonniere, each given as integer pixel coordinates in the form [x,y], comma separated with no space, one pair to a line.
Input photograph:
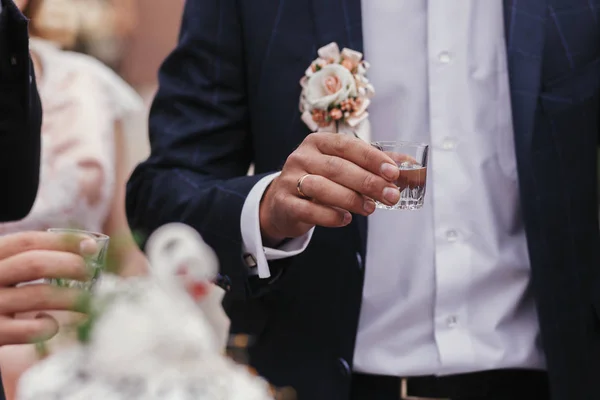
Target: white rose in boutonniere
[335,92]
[331,84]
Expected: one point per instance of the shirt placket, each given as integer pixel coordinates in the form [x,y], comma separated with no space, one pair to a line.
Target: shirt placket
[447,57]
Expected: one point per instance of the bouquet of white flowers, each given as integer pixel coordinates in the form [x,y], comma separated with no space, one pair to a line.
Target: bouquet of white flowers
[160,337]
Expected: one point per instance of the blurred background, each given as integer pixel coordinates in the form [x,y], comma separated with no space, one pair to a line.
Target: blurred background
[150,36]
[96,64]
[134,44]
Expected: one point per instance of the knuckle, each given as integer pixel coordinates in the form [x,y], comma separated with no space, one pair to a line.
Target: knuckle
[370,155]
[32,262]
[43,298]
[26,242]
[333,166]
[294,159]
[369,183]
[338,144]
[312,138]
[351,201]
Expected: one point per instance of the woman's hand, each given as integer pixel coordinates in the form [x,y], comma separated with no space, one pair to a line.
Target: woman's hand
[34,256]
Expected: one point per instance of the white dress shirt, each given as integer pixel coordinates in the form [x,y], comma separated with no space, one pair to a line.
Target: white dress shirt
[447,287]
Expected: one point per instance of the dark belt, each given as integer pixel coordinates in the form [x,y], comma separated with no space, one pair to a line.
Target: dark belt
[511,383]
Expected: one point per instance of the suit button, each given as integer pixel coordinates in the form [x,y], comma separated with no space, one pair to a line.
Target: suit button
[359,260]
[344,367]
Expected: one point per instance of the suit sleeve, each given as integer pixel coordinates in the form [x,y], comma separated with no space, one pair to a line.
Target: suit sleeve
[20,118]
[201,145]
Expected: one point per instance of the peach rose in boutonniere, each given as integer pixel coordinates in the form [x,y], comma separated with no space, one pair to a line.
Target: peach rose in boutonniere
[336,93]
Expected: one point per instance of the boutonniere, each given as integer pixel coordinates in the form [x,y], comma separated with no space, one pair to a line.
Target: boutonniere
[336,92]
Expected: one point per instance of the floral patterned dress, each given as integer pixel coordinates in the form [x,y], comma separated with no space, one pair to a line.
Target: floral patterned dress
[82,100]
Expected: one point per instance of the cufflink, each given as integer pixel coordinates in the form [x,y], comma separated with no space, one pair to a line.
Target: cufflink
[223,282]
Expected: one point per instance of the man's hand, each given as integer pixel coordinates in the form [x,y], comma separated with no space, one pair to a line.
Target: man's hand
[344,176]
[31,256]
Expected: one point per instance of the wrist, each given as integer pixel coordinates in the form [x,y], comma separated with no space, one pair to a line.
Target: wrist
[271,237]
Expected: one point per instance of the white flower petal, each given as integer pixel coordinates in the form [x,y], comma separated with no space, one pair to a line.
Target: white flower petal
[370,90]
[365,104]
[330,52]
[304,81]
[352,55]
[308,120]
[316,94]
[357,119]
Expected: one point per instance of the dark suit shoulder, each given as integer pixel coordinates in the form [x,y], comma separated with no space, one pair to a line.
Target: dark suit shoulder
[20,117]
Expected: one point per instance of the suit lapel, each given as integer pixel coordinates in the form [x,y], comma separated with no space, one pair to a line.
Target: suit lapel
[338,21]
[525,38]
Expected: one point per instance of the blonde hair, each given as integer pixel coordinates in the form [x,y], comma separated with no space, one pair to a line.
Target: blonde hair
[57,21]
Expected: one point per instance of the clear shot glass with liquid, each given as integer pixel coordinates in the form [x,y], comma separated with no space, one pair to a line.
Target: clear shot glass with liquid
[95,261]
[411,159]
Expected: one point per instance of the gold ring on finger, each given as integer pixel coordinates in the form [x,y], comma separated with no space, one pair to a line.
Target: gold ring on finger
[299,187]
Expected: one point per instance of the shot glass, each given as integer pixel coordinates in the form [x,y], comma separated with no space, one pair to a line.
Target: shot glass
[95,260]
[411,159]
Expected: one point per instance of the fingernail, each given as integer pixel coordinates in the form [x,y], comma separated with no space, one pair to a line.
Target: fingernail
[347,218]
[389,171]
[88,247]
[369,206]
[391,195]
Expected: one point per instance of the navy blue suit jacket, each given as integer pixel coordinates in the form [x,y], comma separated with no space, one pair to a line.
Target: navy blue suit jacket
[229,97]
[20,118]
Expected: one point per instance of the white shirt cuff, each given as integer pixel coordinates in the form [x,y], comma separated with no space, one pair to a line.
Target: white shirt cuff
[251,236]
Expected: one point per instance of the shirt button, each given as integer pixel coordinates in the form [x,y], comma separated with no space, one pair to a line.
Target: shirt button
[449,144]
[359,260]
[444,57]
[344,367]
[452,236]
[452,322]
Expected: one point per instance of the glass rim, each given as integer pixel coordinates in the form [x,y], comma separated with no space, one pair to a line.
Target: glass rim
[94,235]
[399,143]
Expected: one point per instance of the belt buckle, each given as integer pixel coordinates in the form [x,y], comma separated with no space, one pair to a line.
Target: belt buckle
[404,392]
